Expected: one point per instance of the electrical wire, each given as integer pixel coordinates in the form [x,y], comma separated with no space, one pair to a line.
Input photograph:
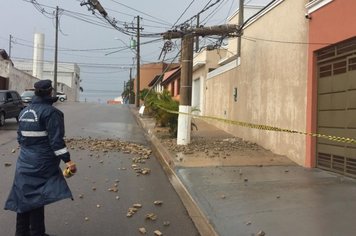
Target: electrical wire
[211,14]
[186,9]
[140,12]
[200,12]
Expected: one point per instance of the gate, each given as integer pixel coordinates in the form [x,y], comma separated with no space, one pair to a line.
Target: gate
[337,107]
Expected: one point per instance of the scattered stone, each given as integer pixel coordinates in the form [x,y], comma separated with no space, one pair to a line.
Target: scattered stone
[86,218]
[98,205]
[114,189]
[81,196]
[246,179]
[142,230]
[261,233]
[117,197]
[286,171]
[223,196]
[101,161]
[166,223]
[7,164]
[278,197]
[248,223]
[145,171]
[137,205]
[158,233]
[151,216]
[158,203]
[13,150]
[93,188]
[117,181]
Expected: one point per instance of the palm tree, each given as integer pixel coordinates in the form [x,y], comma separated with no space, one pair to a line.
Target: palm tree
[128,95]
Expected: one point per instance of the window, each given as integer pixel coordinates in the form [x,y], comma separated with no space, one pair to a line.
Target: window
[352,64]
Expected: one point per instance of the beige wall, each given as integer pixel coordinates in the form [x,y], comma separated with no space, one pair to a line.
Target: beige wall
[19,80]
[4,68]
[271,82]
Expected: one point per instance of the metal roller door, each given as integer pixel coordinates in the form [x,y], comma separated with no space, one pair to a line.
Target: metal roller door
[337,107]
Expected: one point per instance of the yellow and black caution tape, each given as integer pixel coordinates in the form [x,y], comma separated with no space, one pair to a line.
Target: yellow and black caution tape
[266,127]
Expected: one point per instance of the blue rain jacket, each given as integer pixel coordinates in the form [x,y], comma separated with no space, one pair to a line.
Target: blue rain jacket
[38,178]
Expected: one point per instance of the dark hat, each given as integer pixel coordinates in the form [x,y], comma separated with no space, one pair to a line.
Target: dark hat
[45,84]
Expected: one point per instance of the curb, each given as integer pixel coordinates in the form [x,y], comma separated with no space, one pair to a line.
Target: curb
[164,157]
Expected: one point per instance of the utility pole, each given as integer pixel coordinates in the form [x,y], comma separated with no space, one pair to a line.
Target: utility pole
[138,58]
[241,21]
[130,86]
[197,37]
[10,46]
[184,121]
[138,63]
[56,56]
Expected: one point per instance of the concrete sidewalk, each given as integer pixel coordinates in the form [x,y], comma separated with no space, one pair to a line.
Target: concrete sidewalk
[275,198]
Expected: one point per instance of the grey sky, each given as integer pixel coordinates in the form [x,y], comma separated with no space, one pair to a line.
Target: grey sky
[21,19]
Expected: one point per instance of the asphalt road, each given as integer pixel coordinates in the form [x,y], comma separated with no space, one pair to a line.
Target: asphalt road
[95,210]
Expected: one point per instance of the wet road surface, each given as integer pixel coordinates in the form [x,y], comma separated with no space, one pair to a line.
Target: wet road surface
[106,184]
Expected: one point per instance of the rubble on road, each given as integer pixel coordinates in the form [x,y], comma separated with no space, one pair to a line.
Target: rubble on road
[132,210]
[158,203]
[7,164]
[158,233]
[107,145]
[142,230]
[151,216]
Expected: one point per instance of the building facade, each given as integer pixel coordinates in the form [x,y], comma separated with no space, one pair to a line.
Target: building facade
[267,84]
[331,86]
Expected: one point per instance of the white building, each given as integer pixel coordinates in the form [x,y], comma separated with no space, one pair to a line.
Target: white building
[67,74]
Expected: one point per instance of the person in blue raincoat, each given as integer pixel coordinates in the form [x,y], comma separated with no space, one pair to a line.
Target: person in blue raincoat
[38,178]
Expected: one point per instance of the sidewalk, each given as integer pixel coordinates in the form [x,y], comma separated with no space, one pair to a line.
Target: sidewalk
[250,191]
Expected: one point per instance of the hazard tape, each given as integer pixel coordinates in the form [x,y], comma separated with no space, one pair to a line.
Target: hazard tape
[266,127]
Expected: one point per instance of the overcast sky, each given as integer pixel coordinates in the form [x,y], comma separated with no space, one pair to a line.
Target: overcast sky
[81,32]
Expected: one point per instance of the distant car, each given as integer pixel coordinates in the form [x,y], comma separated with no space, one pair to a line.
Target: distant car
[10,105]
[61,96]
[28,94]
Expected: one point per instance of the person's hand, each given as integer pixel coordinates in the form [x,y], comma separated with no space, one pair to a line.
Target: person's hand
[72,166]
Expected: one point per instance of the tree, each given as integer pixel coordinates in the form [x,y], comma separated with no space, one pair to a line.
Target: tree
[128,95]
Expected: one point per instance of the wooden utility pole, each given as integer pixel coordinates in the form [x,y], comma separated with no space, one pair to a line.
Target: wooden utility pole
[197,37]
[130,85]
[186,70]
[10,46]
[184,121]
[241,20]
[138,63]
[138,58]
[55,57]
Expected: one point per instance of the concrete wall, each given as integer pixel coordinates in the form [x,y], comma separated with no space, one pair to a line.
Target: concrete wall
[4,68]
[270,81]
[20,81]
[329,24]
